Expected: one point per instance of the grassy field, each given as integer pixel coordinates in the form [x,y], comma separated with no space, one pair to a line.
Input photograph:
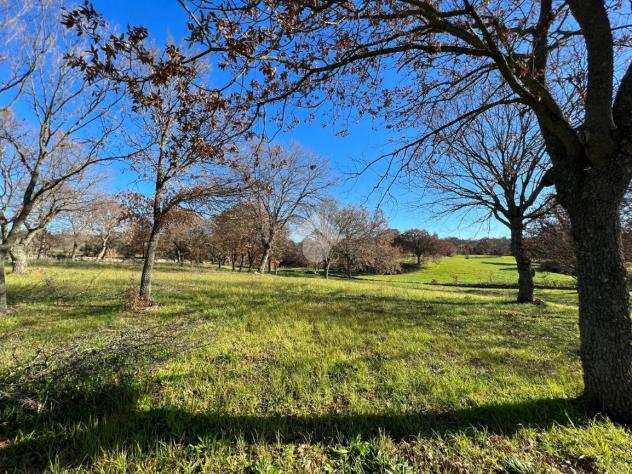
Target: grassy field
[299,374]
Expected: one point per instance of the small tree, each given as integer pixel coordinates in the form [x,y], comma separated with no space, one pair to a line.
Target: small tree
[322,234]
[358,230]
[419,242]
[106,217]
[284,185]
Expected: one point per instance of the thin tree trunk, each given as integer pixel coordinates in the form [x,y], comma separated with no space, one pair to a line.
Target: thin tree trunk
[75,248]
[327,266]
[418,259]
[3,283]
[523,262]
[104,249]
[148,264]
[264,259]
[604,307]
[19,259]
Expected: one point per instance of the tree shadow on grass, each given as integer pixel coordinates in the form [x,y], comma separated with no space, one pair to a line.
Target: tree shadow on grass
[79,437]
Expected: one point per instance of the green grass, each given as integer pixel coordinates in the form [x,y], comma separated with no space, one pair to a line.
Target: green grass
[298,374]
[477,270]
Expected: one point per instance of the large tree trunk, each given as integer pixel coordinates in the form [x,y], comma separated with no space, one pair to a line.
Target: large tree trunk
[19,259]
[148,264]
[3,283]
[523,262]
[604,308]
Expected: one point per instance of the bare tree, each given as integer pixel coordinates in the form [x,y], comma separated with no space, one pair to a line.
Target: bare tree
[26,33]
[496,164]
[106,216]
[69,198]
[322,233]
[284,184]
[45,160]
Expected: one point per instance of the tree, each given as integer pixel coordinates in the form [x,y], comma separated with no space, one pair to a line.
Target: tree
[322,234]
[418,242]
[185,138]
[358,230]
[186,237]
[66,199]
[496,164]
[550,241]
[556,58]
[284,184]
[106,216]
[26,33]
[48,159]
[237,232]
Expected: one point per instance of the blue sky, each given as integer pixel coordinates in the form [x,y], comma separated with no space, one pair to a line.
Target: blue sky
[165,20]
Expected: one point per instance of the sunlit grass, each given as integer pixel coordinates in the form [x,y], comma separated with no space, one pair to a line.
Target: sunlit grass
[304,374]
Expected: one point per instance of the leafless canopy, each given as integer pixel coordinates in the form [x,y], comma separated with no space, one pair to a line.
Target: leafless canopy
[496,164]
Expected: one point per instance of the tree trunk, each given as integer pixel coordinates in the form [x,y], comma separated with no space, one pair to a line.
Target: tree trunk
[19,259]
[418,259]
[75,248]
[148,264]
[104,249]
[241,262]
[523,262]
[604,308]
[327,266]
[264,258]
[3,283]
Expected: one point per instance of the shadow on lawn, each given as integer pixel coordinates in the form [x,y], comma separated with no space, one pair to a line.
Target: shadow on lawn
[79,436]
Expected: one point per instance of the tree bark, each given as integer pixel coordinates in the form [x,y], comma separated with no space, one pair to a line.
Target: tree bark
[3,283]
[104,249]
[604,307]
[418,259]
[148,264]
[264,258]
[19,260]
[327,266]
[75,248]
[523,262]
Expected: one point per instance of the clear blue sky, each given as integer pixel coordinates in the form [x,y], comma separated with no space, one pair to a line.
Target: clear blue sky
[164,19]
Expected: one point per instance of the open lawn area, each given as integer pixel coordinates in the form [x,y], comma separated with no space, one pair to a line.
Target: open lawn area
[300,374]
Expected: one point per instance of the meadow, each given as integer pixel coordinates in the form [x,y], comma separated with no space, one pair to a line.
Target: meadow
[431,370]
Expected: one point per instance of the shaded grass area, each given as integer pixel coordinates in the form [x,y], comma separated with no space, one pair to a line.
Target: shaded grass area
[302,374]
